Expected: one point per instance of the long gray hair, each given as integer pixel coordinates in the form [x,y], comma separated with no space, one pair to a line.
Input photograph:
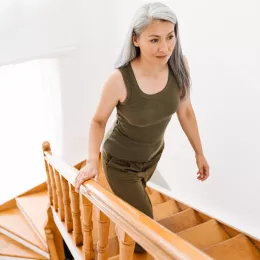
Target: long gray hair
[142,18]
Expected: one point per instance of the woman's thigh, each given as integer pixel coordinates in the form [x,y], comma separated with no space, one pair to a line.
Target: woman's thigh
[128,181]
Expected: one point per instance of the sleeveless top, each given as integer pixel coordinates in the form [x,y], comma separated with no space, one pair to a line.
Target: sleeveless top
[137,134]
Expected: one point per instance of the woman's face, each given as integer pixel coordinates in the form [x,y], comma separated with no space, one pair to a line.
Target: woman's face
[157,40]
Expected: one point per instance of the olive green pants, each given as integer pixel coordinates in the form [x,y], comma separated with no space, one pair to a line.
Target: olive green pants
[127,180]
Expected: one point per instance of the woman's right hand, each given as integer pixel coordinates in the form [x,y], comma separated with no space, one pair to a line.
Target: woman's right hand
[90,170]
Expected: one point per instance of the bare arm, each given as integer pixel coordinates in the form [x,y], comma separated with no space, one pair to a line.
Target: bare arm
[108,100]
[189,125]
[188,122]
[96,135]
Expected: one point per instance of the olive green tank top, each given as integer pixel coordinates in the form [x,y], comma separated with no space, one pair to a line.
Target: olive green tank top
[138,131]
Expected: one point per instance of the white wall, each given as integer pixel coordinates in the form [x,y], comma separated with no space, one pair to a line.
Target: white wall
[221,43]
[30,29]
[27,118]
[222,47]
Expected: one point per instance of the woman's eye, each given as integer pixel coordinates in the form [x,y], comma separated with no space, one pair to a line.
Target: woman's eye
[153,40]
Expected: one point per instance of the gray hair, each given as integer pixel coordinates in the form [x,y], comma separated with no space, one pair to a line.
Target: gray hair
[142,18]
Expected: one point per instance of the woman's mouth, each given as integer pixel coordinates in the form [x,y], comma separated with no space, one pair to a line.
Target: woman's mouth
[162,57]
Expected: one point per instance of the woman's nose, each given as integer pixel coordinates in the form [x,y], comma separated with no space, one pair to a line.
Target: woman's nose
[163,47]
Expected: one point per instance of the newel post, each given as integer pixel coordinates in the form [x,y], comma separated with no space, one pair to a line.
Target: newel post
[47,148]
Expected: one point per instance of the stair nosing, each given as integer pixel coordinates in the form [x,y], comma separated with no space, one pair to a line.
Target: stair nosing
[24,242]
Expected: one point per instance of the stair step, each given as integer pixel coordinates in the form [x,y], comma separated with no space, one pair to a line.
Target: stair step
[181,221]
[155,196]
[34,208]
[165,210]
[236,248]
[13,221]
[11,248]
[204,235]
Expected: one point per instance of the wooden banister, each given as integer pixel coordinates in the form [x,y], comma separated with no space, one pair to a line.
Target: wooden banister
[131,223]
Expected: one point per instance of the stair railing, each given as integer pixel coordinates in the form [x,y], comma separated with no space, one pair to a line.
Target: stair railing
[131,224]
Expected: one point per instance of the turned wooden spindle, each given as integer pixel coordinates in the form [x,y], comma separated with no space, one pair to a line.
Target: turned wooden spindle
[103,234]
[126,244]
[87,224]
[59,194]
[53,186]
[53,238]
[67,204]
[77,230]
[46,148]
[51,244]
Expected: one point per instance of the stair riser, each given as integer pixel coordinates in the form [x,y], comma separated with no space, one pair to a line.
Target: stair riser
[24,243]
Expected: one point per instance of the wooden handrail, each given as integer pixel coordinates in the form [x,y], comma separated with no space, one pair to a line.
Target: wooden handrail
[156,239]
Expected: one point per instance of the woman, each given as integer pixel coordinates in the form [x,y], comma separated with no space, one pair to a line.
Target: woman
[149,84]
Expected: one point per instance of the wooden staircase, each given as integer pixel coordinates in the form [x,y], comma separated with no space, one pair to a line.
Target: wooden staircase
[33,224]
[22,222]
[214,238]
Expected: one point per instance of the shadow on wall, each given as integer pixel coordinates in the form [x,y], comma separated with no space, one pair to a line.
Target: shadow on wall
[158,179]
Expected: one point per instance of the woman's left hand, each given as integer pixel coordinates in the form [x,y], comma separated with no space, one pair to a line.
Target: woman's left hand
[203,168]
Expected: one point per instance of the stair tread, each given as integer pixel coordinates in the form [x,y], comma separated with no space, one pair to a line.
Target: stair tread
[13,221]
[204,235]
[35,207]
[181,221]
[236,248]
[9,247]
[165,210]
[155,196]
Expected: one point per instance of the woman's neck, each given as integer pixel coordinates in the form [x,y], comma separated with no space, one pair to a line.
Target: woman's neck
[149,69]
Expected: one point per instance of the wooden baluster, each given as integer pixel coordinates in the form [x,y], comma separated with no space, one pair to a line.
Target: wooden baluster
[87,224]
[46,148]
[77,230]
[126,244]
[51,244]
[103,234]
[53,185]
[53,238]
[66,202]
[59,194]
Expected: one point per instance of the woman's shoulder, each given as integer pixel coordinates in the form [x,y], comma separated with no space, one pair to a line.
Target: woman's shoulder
[117,82]
[116,77]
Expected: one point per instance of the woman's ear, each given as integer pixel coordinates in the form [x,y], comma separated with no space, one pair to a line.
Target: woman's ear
[135,42]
